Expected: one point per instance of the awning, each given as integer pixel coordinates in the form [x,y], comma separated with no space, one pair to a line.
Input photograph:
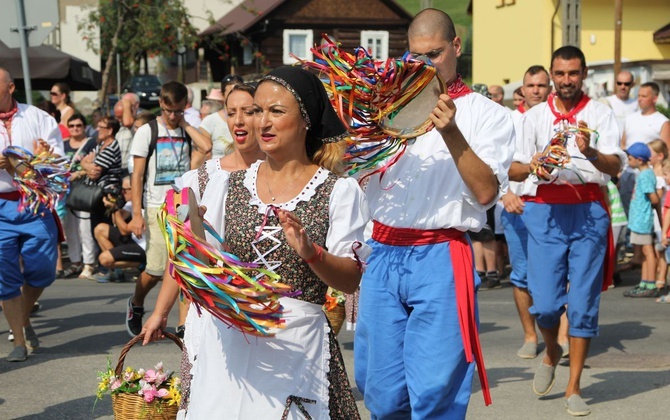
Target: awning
[48,66]
[662,36]
[242,17]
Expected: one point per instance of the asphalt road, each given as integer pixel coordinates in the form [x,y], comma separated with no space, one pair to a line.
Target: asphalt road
[81,327]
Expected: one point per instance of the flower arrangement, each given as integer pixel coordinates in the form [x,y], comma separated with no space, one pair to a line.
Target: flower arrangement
[154,385]
[333,298]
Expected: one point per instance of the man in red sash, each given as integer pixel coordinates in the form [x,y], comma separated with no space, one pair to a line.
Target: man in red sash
[32,237]
[568,224]
[416,334]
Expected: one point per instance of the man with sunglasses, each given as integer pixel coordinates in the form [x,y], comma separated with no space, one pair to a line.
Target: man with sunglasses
[417,338]
[157,161]
[621,102]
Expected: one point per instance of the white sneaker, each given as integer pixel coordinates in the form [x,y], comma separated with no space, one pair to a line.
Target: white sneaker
[87,273]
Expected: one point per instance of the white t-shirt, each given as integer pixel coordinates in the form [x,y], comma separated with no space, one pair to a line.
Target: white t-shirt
[424,190]
[29,124]
[217,127]
[643,128]
[538,128]
[170,160]
[192,116]
[622,109]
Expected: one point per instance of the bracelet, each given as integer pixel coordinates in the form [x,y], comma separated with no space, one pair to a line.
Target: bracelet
[317,256]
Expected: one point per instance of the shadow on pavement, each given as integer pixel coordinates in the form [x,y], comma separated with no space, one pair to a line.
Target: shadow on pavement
[80,408]
[503,375]
[612,335]
[623,384]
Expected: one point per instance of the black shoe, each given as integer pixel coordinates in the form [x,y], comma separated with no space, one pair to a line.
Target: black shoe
[134,318]
[491,281]
[179,331]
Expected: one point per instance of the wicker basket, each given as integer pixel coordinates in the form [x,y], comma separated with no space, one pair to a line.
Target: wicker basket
[132,406]
[336,317]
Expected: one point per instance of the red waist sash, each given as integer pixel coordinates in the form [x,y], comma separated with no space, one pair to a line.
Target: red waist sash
[576,194]
[11,196]
[462,263]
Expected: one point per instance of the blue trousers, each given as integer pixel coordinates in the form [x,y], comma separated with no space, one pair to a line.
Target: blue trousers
[566,241]
[408,353]
[34,238]
[516,236]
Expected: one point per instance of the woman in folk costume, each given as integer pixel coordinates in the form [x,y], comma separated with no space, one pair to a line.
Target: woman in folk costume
[309,224]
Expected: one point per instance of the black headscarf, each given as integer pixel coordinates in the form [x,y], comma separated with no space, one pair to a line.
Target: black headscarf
[323,124]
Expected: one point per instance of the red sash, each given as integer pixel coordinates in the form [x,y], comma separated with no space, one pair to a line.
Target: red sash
[575,194]
[461,260]
[10,196]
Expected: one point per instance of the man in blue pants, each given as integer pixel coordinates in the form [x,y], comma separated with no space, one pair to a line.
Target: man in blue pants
[567,218]
[33,237]
[416,334]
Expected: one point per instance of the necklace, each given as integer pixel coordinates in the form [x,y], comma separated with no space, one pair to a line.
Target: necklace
[273,197]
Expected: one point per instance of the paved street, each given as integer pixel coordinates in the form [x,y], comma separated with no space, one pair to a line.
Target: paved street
[81,326]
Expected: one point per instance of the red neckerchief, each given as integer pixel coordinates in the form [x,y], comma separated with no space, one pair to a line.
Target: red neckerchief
[458,88]
[570,116]
[521,109]
[7,118]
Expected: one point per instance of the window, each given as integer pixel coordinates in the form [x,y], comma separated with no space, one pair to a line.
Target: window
[297,42]
[377,43]
[247,55]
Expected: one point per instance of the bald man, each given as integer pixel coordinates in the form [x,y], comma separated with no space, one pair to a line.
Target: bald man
[497,94]
[417,336]
[621,102]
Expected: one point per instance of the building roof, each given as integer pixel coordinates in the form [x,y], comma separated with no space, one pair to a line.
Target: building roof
[662,36]
[242,17]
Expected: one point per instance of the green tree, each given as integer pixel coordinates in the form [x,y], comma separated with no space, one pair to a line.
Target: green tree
[136,29]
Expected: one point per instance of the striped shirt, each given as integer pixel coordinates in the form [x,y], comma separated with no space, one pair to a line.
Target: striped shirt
[109,159]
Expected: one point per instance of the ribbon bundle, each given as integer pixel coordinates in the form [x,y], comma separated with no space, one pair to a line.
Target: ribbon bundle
[555,155]
[40,180]
[367,95]
[242,295]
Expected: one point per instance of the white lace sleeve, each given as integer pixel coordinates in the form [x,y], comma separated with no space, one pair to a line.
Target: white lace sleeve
[349,214]
[214,199]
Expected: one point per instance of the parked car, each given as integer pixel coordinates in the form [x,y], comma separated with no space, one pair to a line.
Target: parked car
[147,87]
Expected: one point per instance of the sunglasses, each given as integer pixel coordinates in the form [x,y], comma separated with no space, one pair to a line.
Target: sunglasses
[54,93]
[100,127]
[75,125]
[624,83]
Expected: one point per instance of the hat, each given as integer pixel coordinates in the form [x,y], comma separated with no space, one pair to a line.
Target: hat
[215,95]
[640,151]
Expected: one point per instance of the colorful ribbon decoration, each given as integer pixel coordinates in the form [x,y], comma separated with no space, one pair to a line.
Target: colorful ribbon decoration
[41,180]
[366,93]
[555,155]
[242,295]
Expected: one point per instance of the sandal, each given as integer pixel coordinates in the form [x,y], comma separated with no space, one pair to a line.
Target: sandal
[72,270]
[663,299]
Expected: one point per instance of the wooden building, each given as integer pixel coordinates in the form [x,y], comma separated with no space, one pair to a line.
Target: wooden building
[259,35]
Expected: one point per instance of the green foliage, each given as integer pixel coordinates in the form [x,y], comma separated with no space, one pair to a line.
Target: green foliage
[663,110]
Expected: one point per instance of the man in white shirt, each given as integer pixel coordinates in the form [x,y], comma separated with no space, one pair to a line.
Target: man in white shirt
[568,224]
[647,124]
[33,237]
[536,89]
[414,354]
[191,115]
[621,102]
[155,167]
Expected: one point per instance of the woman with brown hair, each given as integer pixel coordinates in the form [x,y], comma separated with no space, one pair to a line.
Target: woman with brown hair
[60,96]
[319,222]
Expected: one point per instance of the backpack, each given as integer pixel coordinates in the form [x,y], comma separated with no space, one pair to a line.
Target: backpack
[153,125]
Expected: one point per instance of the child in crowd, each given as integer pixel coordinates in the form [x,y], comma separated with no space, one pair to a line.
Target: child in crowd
[659,157]
[641,218]
[619,223]
[665,234]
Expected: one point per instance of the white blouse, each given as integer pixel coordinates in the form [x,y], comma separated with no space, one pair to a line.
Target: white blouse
[190,178]
[348,210]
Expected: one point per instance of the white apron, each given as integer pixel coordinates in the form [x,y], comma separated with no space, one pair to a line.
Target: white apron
[247,377]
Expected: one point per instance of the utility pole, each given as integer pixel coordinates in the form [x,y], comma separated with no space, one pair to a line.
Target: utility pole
[618,16]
